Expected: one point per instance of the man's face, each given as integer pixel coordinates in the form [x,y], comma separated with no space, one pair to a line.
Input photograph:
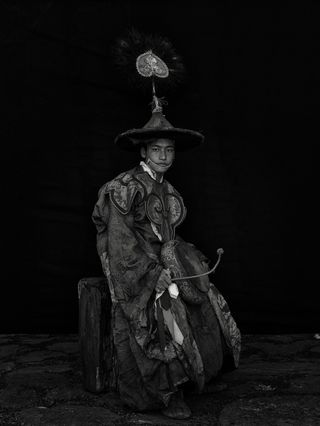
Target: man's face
[159,155]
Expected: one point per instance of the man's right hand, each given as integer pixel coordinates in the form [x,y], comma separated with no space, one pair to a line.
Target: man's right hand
[164,281]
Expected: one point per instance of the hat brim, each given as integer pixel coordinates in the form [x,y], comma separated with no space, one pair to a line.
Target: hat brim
[185,139]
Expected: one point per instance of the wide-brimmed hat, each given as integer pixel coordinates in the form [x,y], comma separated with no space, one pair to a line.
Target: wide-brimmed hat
[159,127]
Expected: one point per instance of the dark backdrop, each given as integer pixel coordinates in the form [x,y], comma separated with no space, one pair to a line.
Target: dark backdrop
[253,89]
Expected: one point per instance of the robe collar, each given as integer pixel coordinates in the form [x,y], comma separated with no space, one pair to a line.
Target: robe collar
[150,172]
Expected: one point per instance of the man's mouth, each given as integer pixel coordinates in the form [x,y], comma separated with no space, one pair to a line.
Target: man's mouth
[160,165]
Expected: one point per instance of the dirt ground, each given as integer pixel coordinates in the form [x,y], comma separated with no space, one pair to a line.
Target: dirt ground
[277,383]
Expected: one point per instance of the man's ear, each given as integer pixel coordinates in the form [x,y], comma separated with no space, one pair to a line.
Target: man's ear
[143,152]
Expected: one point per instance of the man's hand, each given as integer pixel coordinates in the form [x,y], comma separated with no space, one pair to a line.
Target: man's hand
[164,281]
[205,265]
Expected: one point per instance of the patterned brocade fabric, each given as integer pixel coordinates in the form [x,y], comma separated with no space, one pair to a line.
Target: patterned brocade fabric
[133,256]
[163,205]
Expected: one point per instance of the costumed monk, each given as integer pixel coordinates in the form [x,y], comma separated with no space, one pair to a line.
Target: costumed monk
[168,333]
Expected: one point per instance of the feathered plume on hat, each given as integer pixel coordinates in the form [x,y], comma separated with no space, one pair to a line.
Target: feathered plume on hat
[149,62]
[138,56]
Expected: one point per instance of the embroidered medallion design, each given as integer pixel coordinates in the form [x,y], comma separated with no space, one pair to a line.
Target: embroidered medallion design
[123,190]
[165,212]
[163,205]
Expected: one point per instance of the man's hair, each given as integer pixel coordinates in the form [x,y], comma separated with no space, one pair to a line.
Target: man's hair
[146,142]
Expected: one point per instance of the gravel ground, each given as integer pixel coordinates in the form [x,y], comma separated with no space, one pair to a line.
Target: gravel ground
[277,383]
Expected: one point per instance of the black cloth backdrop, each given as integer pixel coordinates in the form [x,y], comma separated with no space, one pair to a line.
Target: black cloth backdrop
[253,89]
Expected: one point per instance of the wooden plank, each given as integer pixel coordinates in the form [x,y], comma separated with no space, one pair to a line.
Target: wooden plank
[95,332]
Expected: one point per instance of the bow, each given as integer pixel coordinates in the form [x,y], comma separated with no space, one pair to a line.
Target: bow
[220,252]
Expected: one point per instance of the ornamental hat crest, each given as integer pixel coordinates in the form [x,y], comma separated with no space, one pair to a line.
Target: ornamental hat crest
[151,61]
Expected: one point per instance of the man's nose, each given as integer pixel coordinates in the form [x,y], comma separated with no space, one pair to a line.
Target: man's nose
[163,155]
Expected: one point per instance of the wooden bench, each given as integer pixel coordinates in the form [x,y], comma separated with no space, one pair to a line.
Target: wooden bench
[95,333]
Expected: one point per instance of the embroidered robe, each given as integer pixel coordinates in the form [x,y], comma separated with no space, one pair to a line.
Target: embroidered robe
[136,219]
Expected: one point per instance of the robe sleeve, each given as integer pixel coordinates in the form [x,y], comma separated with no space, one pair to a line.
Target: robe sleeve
[133,267]
[100,217]
[203,258]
